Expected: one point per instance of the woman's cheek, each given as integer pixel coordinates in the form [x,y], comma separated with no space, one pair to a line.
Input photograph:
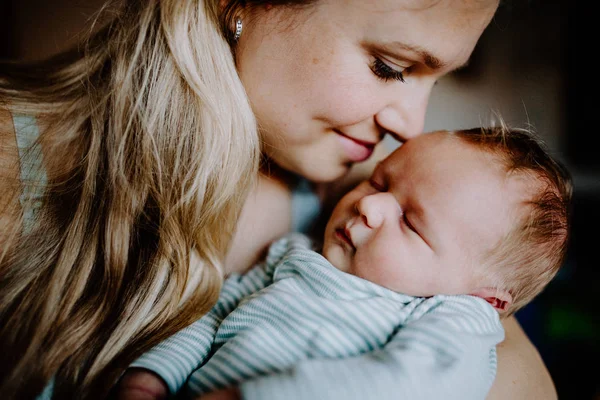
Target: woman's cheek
[342,86]
[346,102]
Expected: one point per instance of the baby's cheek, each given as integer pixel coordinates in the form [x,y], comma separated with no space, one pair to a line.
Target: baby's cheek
[382,267]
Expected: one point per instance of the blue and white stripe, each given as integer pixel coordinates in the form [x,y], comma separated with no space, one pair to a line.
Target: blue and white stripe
[296,327]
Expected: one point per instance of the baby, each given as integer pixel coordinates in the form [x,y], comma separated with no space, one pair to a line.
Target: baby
[454,231]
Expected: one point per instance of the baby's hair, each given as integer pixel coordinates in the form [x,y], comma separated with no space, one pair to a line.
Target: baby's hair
[535,249]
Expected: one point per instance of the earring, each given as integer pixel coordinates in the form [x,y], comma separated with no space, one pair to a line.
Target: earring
[238,29]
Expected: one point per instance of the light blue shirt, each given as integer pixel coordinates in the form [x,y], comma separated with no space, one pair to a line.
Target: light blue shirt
[33,174]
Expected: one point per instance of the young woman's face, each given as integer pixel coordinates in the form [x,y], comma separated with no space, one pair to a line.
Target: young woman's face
[327,81]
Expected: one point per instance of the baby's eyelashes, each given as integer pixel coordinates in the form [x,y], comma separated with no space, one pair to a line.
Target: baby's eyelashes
[408,223]
[377,186]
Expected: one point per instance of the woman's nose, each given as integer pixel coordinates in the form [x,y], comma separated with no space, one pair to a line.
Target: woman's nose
[375,209]
[403,116]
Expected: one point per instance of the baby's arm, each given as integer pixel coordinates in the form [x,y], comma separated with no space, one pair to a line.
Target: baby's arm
[447,353]
[141,384]
[163,370]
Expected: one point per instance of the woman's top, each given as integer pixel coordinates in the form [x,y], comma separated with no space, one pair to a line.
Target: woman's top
[306,207]
[33,174]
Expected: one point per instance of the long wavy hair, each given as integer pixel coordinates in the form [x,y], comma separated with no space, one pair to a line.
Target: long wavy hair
[151,148]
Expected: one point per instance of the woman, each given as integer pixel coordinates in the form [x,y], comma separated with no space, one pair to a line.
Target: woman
[122,211]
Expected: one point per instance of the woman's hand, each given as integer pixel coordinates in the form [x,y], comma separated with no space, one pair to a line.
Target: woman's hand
[223,394]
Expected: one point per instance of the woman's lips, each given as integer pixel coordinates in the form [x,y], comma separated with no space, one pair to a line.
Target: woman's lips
[356,150]
[343,235]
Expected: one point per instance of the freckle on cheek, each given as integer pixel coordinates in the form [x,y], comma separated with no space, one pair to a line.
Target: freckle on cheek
[315,60]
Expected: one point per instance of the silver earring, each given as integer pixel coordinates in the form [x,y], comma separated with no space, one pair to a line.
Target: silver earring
[238,29]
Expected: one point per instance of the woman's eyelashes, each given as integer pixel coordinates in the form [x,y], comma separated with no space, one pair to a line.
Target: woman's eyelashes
[386,73]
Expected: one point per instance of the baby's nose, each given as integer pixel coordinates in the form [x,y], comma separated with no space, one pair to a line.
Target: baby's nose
[375,209]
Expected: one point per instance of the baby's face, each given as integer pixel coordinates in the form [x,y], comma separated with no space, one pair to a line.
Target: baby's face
[423,222]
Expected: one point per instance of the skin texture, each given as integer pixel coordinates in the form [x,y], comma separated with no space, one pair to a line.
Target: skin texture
[424,221]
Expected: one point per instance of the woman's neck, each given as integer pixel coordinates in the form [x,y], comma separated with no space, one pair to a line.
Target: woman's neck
[271,170]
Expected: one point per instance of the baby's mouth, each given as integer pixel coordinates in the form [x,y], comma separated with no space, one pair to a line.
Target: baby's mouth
[344,235]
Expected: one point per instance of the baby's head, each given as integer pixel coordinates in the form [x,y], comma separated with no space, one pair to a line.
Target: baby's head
[480,211]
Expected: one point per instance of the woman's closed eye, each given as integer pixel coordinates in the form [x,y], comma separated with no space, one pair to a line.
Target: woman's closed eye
[385,72]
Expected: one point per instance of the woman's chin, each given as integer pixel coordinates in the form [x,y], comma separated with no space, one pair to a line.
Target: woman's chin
[314,169]
[326,174]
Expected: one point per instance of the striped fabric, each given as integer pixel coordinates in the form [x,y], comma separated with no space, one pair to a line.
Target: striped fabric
[295,327]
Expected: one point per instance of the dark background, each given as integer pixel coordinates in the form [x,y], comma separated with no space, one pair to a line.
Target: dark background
[534,64]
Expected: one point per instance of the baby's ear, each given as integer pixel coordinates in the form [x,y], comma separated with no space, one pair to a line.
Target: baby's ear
[500,299]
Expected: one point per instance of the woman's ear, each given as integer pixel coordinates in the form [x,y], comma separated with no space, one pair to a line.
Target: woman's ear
[500,299]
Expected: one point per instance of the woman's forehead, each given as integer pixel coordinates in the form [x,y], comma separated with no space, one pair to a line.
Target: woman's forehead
[417,5]
[451,16]
[445,29]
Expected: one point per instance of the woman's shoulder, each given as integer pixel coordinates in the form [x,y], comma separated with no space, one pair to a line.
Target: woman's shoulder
[9,172]
[521,371]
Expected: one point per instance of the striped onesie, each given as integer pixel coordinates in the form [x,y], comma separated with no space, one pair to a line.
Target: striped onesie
[295,327]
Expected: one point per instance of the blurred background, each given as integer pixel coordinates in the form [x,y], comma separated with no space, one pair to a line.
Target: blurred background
[529,67]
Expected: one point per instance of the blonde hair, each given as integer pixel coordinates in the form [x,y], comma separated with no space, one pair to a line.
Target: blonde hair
[154,149]
[530,255]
